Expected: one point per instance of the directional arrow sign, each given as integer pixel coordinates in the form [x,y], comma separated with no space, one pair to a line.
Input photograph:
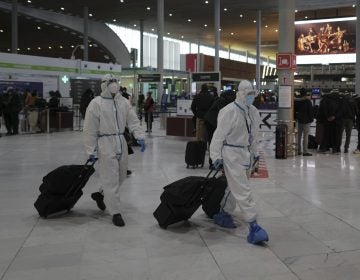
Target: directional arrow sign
[264,120]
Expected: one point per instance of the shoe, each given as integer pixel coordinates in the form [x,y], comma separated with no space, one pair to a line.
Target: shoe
[118,220]
[299,153]
[323,151]
[335,152]
[306,154]
[8,134]
[128,172]
[357,151]
[256,234]
[224,219]
[99,199]
[346,151]
[146,131]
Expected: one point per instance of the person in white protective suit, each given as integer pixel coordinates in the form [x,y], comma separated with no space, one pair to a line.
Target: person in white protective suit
[104,125]
[234,146]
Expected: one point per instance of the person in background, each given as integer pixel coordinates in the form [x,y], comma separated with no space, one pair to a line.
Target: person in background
[86,98]
[104,126]
[140,104]
[32,111]
[149,109]
[11,109]
[357,122]
[348,108]
[199,106]
[234,146]
[304,115]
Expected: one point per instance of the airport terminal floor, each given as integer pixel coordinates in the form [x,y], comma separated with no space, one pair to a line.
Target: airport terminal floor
[310,207]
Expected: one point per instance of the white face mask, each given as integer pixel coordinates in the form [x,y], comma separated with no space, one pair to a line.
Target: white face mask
[113,88]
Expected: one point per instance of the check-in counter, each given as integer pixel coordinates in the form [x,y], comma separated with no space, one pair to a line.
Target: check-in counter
[179,126]
[58,120]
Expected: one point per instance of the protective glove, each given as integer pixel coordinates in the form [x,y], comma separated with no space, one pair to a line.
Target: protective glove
[218,164]
[92,158]
[142,144]
[255,164]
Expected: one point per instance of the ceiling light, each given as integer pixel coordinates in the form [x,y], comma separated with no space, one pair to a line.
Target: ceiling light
[62,8]
[219,29]
[61,47]
[72,46]
[296,11]
[254,21]
[90,45]
[205,25]
[306,17]
[39,48]
[90,15]
[241,15]
[189,19]
[1,30]
[182,37]
[8,50]
[38,27]
[114,20]
[168,33]
[18,49]
[276,30]
[170,15]
[121,1]
[152,29]
[50,48]
[232,33]
[148,8]
[225,9]
[266,26]
[206,2]
[29,1]
[353,6]
[135,25]
[28,49]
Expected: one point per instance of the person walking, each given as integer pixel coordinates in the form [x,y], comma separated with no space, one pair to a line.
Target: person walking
[149,110]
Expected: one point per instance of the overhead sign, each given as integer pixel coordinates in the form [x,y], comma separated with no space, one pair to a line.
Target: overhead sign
[285,61]
[149,78]
[206,77]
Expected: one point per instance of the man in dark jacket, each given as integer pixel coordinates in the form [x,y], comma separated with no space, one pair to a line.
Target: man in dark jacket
[348,108]
[200,105]
[11,109]
[357,103]
[86,98]
[304,114]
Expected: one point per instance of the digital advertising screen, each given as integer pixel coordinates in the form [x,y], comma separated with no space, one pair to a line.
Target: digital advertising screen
[315,93]
[326,41]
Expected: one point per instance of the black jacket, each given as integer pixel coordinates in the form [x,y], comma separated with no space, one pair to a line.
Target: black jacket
[201,104]
[212,114]
[348,108]
[304,112]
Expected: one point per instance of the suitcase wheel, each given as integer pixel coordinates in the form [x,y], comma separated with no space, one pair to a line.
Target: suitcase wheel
[187,166]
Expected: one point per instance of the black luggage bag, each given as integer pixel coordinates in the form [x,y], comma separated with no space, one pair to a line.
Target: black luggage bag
[195,153]
[213,195]
[312,142]
[281,141]
[181,199]
[62,188]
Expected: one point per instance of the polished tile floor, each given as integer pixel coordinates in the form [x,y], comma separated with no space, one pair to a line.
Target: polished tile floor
[309,205]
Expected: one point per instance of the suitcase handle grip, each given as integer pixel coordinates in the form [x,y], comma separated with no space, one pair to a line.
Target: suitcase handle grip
[91,162]
[211,171]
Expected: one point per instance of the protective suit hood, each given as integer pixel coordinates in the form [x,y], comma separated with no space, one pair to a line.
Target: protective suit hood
[245,88]
[108,81]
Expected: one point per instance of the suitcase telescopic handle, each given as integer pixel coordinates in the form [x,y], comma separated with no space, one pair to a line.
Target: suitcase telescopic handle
[91,162]
[211,171]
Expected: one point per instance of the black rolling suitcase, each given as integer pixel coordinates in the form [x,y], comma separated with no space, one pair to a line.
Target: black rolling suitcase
[312,142]
[281,141]
[181,199]
[195,153]
[213,195]
[62,188]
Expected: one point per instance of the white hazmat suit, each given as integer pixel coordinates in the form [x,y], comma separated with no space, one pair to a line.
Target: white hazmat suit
[104,126]
[235,142]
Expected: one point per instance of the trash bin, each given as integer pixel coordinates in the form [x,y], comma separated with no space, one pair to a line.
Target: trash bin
[281,141]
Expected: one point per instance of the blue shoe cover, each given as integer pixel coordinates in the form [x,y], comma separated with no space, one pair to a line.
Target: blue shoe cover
[256,234]
[224,219]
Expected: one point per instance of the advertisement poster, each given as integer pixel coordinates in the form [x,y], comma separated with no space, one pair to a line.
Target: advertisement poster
[332,36]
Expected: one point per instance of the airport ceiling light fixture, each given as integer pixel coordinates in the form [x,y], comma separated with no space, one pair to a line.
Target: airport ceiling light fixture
[225,9]
[170,15]
[148,8]
[205,25]
[38,28]
[189,20]
[62,8]
[206,2]
[1,30]
[241,15]
[90,15]
[29,1]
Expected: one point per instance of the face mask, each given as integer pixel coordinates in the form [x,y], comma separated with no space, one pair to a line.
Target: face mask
[113,88]
[249,100]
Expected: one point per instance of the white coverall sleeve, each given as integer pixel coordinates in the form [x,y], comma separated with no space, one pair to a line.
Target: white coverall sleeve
[224,125]
[255,119]
[133,124]
[91,129]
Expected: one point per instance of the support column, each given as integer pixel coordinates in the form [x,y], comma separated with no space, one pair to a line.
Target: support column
[86,34]
[229,51]
[160,46]
[217,41]
[198,57]
[247,56]
[286,77]
[258,50]
[357,69]
[141,43]
[14,27]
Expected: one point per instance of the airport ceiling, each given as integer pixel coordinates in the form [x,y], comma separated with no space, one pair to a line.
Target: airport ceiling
[190,20]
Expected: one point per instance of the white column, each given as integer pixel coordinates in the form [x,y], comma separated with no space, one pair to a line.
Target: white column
[160,43]
[217,40]
[258,50]
[86,34]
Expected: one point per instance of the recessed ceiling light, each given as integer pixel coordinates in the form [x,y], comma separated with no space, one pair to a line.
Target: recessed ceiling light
[50,48]
[296,11]
[232,33]
[62,8]
[189,19]
[72,46]
[276,30]
[29,1]
[206,2]
[8,50]
[152,29]
[28,49]
[353,6]
[61,47]
[225,9]
[306,17]
[241,15]
[90,15]
[254,21]
[168,33]
[266,26]
[205,25]
[90,45]
[121,1]
[182,37]
[114,20]
[18,49]
[1,30]
[39,48]
[135,25]
[219,29]
[170,15]
[38,27]
[148,8]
